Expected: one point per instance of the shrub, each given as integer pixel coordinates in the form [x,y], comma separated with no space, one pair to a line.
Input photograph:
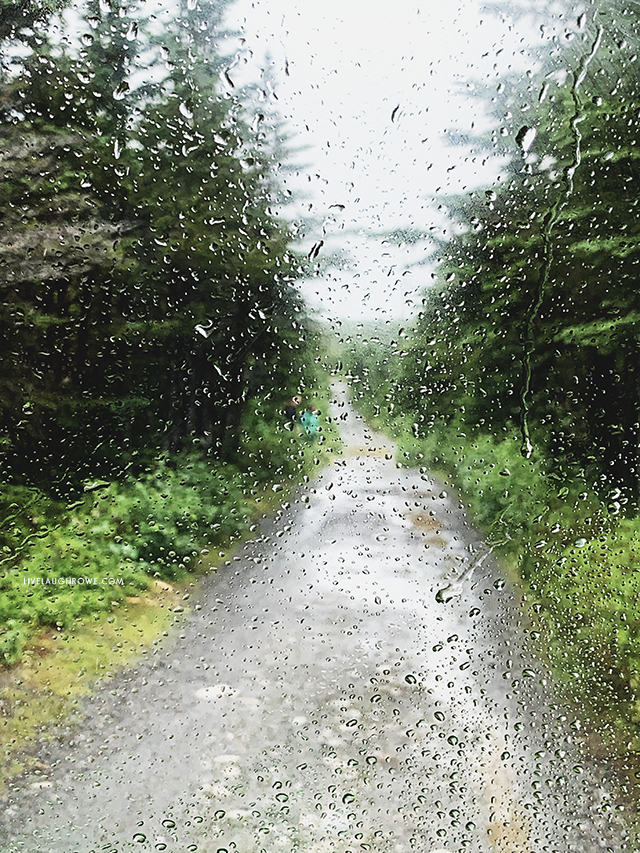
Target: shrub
[153,525]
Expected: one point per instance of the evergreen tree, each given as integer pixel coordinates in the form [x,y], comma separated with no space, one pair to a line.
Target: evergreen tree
[19,17]
[534,321]
[217,257]
[147,289]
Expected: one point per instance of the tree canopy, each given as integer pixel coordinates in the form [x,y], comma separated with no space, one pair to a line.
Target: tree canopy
[145,266]
[532,321]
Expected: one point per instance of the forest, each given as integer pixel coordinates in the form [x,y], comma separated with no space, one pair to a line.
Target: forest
[519,377]
[150,328]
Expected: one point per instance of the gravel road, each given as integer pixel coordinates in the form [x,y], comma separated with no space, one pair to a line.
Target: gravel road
[359,677]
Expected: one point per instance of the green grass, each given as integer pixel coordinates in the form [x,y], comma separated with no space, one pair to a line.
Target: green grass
[149,538]
[59,667]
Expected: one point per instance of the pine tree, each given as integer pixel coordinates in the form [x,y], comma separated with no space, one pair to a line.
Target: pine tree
[534,320]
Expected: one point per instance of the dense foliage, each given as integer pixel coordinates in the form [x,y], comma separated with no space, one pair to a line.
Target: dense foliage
[149,327]
[146,275]
[520,376]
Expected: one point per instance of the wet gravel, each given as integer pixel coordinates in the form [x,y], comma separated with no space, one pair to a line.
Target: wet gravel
[323,694]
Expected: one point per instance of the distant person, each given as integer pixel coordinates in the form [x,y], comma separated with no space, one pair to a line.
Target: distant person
[291,409]
[309,420]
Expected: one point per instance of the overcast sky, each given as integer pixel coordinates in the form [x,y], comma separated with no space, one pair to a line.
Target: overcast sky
[371,88]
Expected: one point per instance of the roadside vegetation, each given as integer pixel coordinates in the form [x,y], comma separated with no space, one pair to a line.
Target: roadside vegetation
[151,333]
[69,561]
[519,376]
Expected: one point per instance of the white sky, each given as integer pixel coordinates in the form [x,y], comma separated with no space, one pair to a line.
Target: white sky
[371,87]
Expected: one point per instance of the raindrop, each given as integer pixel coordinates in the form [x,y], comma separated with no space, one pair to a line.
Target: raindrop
[121,91]
[348,798]
[371,759]
[410,679]
[445,595]
[140,838]
[525,138]
[219,814]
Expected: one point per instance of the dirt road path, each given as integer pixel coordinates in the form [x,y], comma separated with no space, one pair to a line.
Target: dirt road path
[321,696]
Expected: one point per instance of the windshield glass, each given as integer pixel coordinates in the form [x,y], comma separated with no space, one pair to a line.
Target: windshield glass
[319,426]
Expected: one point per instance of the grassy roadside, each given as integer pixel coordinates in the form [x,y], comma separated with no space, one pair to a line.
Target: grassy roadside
[78,637]
[573,549]
[58,668]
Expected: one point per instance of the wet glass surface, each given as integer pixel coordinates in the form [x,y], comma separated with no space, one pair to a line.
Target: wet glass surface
[319,433]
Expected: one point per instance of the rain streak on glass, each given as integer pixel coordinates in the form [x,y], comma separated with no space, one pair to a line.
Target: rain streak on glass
[319,427]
